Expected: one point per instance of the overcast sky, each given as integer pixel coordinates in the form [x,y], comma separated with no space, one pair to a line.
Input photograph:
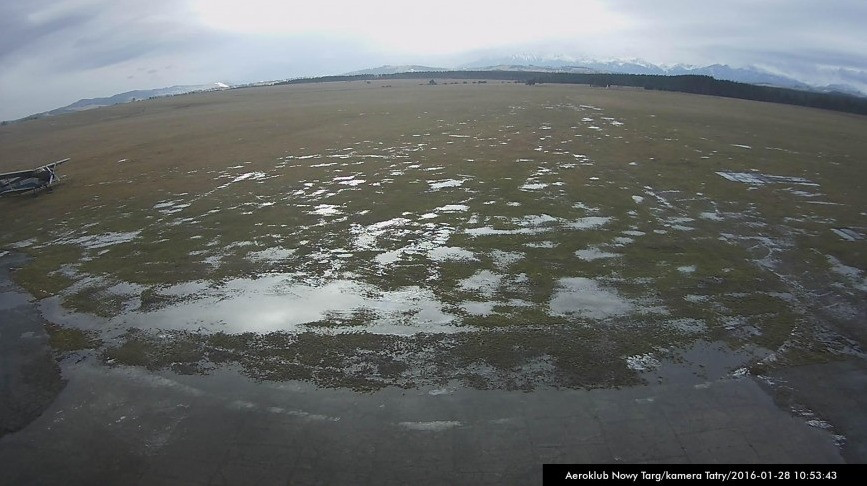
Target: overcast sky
[54,52]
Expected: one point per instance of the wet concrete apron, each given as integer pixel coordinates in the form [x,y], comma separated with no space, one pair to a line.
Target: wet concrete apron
[126,425]
[29,376]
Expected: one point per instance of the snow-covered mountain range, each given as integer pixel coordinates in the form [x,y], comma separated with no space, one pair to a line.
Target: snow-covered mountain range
[747,74]
[530,62]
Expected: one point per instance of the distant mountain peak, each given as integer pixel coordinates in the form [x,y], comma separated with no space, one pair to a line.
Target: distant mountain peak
[389,69]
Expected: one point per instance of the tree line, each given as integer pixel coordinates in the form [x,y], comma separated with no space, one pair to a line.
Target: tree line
[696,84]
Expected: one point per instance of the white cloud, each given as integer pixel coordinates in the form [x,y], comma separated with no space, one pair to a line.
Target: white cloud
[421,28]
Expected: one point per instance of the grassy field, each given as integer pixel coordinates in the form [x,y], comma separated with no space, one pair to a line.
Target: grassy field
[498,234]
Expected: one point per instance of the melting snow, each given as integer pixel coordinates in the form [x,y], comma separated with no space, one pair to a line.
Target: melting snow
[452,208]
[435,426]
[271,254]
[444,253]
[533,186]
[594,253]
[711,216]
[478,308]
[642,362]
[92,242]
[485,282]
[326,210]
[437,185]
[251,176]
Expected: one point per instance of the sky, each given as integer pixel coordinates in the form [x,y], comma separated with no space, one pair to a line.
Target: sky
[54,52]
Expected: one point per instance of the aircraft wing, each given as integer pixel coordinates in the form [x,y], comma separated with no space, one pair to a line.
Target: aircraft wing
[52,165]
[20,173]
[31,172]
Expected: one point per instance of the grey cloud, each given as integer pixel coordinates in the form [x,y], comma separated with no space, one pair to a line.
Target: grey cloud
[806,39]
[17,31]
[88,35]
[789,24]
[853,76]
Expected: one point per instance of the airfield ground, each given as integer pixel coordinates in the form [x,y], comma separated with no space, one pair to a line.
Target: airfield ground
[423,269]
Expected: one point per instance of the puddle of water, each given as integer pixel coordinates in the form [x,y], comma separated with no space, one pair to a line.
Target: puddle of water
[444,253]
[435,426]
[642,362]
[593,253]
[252,176]
[757,179]
[476,308]
[488,231]
[9,300]
[541,223]
[805,193]
[504,259]
[389,257]
[533,186]
[711,216]
[484,282]
[91,242]
[584,297]
[744,177]
[623,240]
[854,275]
[366,236]
[22,243]
[588,222]
[437,185]
[280,302]
[696,299]
[541,244]
[326,210]
[848,234]
[452,208]
[170,207]
[688,325]
[680,227]
[275,253]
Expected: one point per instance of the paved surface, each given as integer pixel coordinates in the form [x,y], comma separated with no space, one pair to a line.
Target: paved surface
[126,425]
[29,377]
[835,392]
